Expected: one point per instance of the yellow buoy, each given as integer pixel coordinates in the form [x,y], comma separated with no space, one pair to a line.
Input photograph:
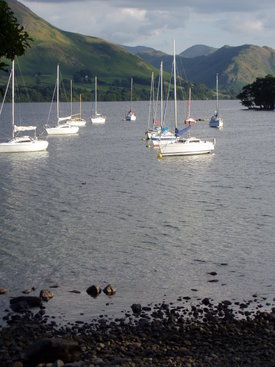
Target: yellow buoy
[159,155]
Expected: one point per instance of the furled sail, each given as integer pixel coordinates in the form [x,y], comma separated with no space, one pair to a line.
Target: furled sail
[24,128]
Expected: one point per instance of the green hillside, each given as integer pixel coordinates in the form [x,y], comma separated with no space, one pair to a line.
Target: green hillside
[237,66]
[81,58]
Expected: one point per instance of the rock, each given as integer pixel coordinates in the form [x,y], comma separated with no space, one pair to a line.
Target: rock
[136,308]
[3,290]
[46,294]
[93,290]
[24,303]
[50,350]
[109,290]
[75,291]
[27,291]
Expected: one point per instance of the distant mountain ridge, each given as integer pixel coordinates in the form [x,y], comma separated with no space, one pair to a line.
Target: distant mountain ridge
[197,50]
[83,57]
[237,66]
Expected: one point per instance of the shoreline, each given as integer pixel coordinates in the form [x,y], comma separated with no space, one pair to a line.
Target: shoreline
[181,334]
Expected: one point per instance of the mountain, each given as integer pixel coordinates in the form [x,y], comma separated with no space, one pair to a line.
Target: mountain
[80,58]
[136,50]
[237,66]
[197,50]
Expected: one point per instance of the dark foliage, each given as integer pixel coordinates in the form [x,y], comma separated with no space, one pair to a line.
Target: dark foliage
[260,94]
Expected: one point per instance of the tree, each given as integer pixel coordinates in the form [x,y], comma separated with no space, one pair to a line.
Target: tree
[260,93]
[13,39]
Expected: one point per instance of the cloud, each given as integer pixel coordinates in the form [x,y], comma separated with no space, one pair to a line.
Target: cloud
[156,23]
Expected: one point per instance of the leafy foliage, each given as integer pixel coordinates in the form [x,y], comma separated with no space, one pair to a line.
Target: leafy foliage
[13,39]
[260,94]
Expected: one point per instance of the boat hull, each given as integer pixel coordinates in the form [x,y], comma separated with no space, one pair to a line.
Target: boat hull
[98,120]
[188,147]
[20,146]
[131,118]
[216,122]
[64,129]
[78,122]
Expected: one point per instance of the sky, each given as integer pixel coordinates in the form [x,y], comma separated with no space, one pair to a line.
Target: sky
[156,23]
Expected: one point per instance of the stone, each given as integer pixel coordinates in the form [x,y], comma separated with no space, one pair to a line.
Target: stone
[24,303]
[51,350]
[109,290]
[27,291]
[3,290]
[93,290]
[136,308]
[46,295]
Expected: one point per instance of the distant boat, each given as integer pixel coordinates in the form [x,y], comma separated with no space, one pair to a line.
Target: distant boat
[216,120]
[97,118]
[184,146]
[76,120]
[131,116]
[20,144]
[61,128]
[189,120]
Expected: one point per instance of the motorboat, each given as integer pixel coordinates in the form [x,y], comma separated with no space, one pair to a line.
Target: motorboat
[187,146]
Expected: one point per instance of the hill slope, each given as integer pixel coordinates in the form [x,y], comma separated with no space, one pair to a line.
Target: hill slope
[197,50]
[77,55]
[237,66]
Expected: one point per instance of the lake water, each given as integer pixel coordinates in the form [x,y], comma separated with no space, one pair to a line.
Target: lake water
[101,208]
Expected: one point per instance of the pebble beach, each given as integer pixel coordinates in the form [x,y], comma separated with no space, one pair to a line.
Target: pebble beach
[166,334]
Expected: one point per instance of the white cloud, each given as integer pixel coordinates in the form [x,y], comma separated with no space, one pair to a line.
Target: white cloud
[155,23]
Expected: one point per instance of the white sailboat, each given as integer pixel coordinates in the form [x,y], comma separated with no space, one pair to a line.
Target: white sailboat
[131,116]
[153,124]
[165,136]
[216,120]
[20,144]
[98,118]
[62,128]
[189,120]
[76,120]
[184,146]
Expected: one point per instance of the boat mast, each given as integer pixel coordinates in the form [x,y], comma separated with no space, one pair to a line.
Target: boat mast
[189,104]
[12,99]
[151,99]
[217,93]
[175,87]
[57,92]
[80,105]
[131,94]
[161,94]
[71,98]
[95,95]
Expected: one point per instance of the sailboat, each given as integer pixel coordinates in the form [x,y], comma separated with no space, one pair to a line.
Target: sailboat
[131,116]
[76,120]
[20,144]
[189,120]
[184,146]
[153,124]
[164,136]
[98,118]
[216,120]
[62,128]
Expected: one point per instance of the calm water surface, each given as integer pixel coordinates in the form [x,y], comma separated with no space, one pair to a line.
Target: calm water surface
[101,208]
